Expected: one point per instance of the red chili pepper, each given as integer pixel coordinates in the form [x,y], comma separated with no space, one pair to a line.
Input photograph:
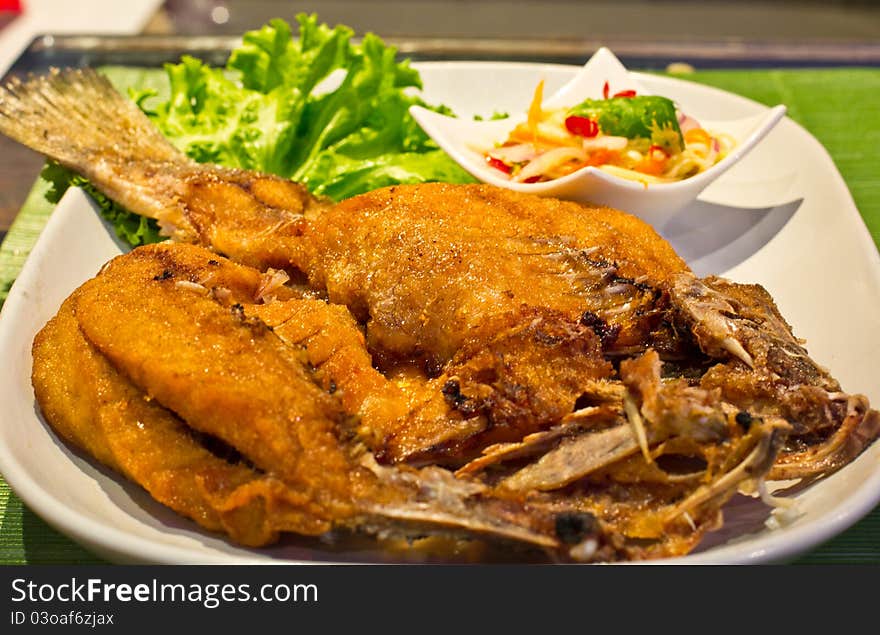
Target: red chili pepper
[532,179]
[605,90]
[657,153]
[582,126]
[498,164]
[626,93]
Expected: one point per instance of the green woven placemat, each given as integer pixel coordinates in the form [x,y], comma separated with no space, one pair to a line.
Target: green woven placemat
[838,106]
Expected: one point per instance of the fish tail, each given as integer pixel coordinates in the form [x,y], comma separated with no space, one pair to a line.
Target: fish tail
[78,119]
[74,114]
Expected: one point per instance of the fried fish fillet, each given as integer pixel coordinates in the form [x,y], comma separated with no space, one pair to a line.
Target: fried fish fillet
[430,267]
[559,356]
[222,375]
[236,423]
[94,407]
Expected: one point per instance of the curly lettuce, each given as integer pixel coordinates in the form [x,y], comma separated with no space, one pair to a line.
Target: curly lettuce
[133,229]
[317,108]
[312,108]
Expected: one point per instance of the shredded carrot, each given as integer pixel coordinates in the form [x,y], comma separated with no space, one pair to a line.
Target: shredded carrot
[536,113]
[602,156]
[650,166]
[697,135]
[654,162]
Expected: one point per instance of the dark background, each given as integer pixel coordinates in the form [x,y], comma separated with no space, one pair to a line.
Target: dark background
[788,20]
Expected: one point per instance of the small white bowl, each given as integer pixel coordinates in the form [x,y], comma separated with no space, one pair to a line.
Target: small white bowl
[465,140]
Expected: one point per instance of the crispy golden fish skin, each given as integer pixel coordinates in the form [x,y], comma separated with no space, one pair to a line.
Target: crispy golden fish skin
[98,409]
[226,374]
[426,266]
[92,406]
[223,374]
[513,300]
[89,403]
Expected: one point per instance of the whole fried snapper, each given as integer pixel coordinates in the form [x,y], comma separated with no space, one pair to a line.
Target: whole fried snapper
[415,360]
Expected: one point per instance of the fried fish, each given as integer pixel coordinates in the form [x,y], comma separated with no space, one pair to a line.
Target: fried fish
[440,356]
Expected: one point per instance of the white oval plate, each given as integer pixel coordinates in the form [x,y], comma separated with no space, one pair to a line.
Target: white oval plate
[467,140]
[809,248]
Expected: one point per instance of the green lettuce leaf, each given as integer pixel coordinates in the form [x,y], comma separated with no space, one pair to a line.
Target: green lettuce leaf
[340,177]
[133,229]
[316,108]
[289,106]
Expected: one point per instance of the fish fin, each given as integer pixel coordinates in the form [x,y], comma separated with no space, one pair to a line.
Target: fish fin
[73,115]
[78,119]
